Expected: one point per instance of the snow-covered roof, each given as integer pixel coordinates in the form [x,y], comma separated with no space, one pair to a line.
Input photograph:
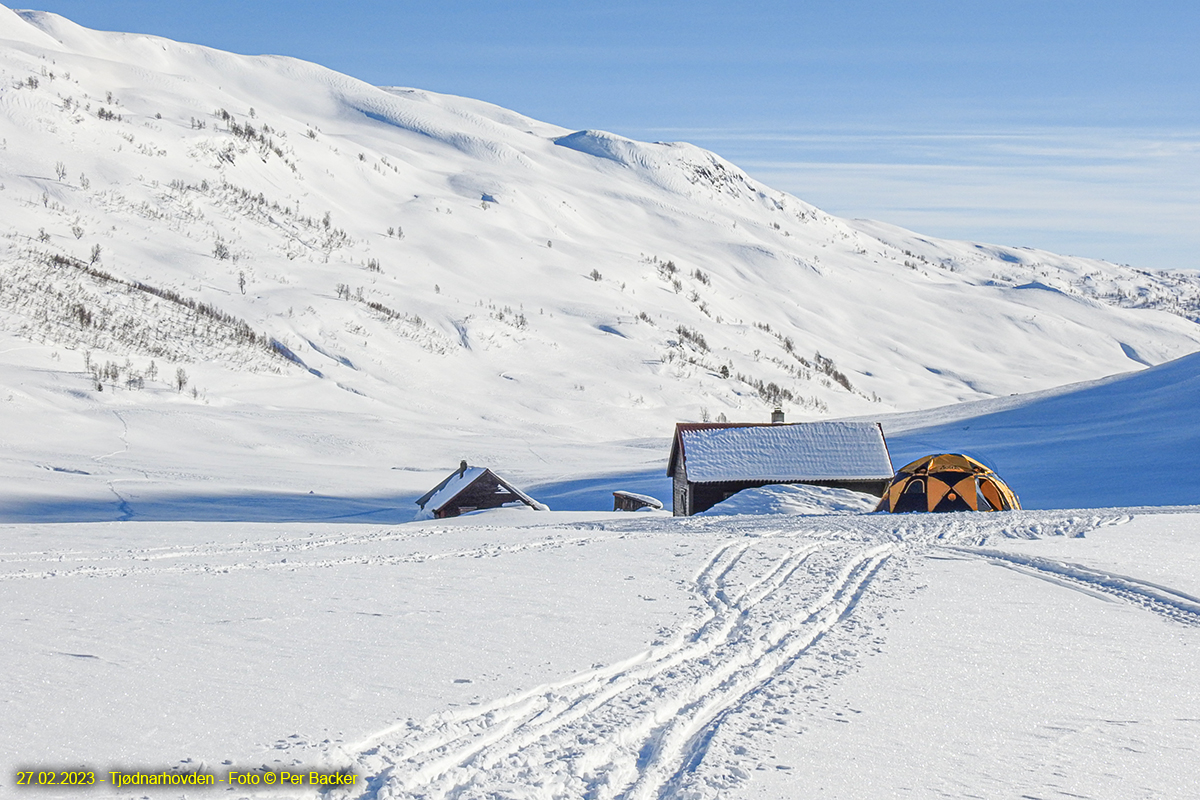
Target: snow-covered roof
[444,491]
[459,480]
[653,502]
[796,452]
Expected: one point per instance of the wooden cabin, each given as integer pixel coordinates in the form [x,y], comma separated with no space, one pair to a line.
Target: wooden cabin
[711,462]
[472,489]
[632,501]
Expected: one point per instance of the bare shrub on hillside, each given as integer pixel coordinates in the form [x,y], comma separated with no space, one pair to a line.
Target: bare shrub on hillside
[693,336]
[62,300]
[409,326]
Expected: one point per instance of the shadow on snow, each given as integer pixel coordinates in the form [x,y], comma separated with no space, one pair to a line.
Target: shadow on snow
[264,507]
[595,493]
[585,494]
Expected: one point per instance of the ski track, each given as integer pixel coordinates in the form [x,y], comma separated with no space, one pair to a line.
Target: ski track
[1161,600]
[482,551]
[641,728]
[633,730]
[260,554]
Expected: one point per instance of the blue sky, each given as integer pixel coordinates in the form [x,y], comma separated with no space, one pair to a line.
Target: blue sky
[1073,126]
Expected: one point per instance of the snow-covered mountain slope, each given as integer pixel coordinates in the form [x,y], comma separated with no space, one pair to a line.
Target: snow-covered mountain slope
[1122,441]
[435,277]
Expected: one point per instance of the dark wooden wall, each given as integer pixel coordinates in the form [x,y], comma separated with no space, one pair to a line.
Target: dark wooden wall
[485,492]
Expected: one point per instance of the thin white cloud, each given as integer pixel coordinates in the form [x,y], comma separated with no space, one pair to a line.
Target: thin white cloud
[1125,195]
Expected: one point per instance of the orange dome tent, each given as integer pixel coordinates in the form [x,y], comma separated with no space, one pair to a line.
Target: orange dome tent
[947,482]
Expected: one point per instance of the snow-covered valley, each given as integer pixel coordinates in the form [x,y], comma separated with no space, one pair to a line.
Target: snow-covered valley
[251,309]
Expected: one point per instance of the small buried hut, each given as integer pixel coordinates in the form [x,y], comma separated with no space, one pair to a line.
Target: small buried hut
[472,489]
[632,501]
[711,462]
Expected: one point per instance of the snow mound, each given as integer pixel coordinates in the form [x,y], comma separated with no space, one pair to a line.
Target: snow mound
[602,144]
[794,499]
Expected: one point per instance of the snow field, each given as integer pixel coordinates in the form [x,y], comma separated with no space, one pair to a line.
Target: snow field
[643,718]
[591,655]
[992,683]
[204,649]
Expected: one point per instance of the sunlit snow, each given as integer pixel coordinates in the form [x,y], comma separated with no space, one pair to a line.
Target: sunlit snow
[252,309]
